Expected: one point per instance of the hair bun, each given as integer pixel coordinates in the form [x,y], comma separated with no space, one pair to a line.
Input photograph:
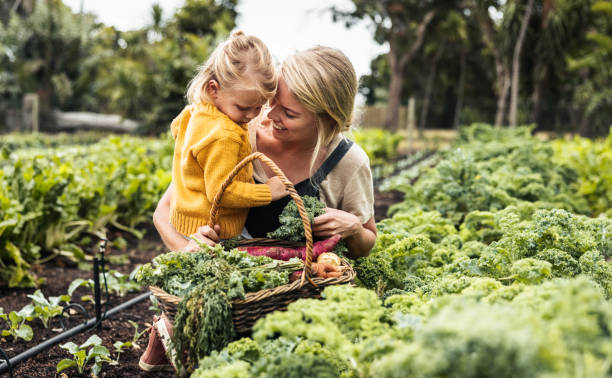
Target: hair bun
[237,33]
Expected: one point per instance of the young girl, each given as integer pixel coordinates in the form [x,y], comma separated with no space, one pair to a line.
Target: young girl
[211,137]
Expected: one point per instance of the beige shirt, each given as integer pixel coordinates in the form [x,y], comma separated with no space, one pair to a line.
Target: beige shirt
[347,187]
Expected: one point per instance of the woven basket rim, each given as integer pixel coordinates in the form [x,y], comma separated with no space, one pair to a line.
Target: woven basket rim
[347,276]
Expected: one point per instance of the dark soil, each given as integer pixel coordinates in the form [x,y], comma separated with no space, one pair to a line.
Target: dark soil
[58,275]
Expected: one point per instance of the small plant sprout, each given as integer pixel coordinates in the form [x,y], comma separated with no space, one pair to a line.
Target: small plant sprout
[117,283]
[92,349]
[17,328]
[45,309]
[137,334]
[119,345]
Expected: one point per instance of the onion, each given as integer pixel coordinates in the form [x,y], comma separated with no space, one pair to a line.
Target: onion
[329,258]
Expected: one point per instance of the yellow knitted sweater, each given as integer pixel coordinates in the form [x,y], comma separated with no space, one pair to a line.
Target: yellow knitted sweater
[208,145]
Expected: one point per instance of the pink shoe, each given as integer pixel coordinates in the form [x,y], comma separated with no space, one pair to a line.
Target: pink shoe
[154,357]
[164,329]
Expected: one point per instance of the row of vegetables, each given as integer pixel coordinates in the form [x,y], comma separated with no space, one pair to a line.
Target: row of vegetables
[496,264]
[57,199]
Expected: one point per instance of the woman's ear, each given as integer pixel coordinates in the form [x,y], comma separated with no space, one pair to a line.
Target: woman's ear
[212,89]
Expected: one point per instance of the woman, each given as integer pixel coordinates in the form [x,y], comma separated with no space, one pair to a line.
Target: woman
[301,133]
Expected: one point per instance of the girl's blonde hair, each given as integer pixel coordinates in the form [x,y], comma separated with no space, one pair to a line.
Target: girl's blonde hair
[240,62]
[324,81]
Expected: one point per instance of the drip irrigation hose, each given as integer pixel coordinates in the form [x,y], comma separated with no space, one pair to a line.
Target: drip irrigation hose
[11,363]
[8,362]
[91,323]
[71,305]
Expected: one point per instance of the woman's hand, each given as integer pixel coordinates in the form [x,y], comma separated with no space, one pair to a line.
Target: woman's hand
[205,235]
[336,222]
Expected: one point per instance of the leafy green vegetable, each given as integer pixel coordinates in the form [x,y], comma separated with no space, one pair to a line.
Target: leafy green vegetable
[83,354]
[17,327]
[208,280]
[291,226]
[203,323]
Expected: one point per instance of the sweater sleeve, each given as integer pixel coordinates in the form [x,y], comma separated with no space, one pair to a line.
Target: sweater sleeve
[217,160]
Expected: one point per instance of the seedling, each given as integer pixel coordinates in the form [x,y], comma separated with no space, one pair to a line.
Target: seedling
[17,326]
[137,334]
[117,283]
[43,308]
[81,356]
[119,345]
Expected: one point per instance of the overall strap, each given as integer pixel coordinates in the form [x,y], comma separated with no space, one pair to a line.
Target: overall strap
[331,162]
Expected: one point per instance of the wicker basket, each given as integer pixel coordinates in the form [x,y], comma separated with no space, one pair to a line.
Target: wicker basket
[245,312]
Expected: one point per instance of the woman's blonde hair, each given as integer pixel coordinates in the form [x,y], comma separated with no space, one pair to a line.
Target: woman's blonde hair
[324,81]
[240,62]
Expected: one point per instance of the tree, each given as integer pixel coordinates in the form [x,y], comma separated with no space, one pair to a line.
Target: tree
[143,74]
[448,36]
[516,63]
[560,31]
[496,41]
[46,44]
[593,63]
[401,23]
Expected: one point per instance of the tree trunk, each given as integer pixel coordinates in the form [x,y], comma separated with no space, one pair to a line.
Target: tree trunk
[429,88]
[502,96]
[516,61]
[395,91]
[398,64]
[460,90]
[45,90]
[536,97]
[502,77]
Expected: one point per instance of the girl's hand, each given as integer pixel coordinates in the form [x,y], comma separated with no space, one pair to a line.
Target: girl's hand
[206,235]
[277,188]
[336,222]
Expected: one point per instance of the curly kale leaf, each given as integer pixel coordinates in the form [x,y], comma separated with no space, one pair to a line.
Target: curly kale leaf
[292,365]
[203,323]
[376,272]
[291,227]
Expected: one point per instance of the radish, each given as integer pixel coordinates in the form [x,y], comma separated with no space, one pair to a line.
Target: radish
[282,253]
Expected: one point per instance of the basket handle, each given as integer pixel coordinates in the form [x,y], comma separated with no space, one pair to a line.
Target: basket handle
[296,197]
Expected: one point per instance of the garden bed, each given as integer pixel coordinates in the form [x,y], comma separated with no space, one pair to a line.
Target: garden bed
[58,275]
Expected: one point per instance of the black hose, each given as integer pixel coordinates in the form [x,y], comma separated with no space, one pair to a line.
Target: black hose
[10,364]
[71,305]
[8,361]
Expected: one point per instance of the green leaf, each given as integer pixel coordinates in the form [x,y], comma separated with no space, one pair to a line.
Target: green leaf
[121,344]
[28,312]
[14,317]
[38,298]
[25,332]
[71,347]
[93,340]
[65,364]
[98,350]
[81,358]
[96,368]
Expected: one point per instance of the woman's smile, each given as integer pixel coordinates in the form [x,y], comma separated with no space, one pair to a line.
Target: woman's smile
[278,127]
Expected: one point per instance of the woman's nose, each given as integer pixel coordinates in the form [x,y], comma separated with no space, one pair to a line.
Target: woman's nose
[273,113]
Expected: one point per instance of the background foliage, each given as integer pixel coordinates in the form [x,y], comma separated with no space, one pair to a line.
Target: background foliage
[452,57]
